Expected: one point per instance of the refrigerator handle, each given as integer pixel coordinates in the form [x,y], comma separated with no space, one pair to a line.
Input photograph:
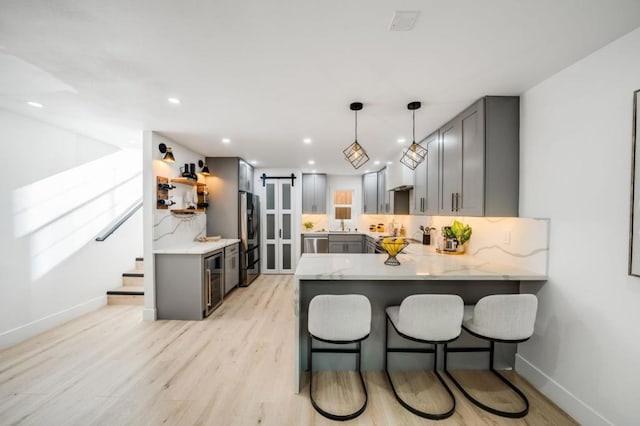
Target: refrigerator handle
[281,233]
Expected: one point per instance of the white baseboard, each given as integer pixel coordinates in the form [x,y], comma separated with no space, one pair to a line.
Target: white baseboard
[553,390]
[18,334]
[149,314]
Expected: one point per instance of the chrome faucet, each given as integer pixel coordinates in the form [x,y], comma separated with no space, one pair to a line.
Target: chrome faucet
[342,225]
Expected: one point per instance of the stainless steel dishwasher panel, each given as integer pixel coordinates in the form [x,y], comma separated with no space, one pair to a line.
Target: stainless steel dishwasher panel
[316,244]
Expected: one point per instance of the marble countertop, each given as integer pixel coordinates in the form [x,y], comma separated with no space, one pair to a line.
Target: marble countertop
[196,247]
[417,262]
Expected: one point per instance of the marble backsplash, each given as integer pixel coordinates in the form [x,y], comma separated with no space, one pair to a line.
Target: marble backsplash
[518,241]
[170,230]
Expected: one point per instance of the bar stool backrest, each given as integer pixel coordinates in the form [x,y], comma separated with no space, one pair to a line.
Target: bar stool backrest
[505,316]
[432,317]
[340,317]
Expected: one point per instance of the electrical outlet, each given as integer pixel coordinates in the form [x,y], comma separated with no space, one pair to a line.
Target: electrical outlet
[507,238]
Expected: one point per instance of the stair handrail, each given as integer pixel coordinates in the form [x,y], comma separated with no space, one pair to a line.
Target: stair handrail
[118,222]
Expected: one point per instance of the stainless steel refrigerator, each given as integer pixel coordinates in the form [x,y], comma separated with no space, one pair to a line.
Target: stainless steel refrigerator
[249,223]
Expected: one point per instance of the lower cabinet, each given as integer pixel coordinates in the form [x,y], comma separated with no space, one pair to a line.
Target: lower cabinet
[189,286]
[370,245]
[231,267]
[346,243]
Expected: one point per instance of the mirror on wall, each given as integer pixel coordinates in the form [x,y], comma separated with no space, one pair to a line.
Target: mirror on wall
[634,239]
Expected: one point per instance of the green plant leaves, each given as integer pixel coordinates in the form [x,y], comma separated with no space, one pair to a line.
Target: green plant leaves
[461,232]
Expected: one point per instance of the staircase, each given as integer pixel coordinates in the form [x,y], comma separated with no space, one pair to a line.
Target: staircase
[132,290]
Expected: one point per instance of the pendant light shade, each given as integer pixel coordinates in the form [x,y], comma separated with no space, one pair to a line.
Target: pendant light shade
[415,154]
[355,153]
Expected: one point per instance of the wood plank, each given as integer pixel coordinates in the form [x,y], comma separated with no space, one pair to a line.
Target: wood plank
[236,367]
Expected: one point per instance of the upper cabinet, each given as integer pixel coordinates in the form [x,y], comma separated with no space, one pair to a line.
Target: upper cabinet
[245,176]
[479,159]
[425,179]
[314,193]
[433,176]
[384,199]
[370,193]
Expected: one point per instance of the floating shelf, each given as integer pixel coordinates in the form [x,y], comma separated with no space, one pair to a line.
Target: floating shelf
[187,211]
[185,181]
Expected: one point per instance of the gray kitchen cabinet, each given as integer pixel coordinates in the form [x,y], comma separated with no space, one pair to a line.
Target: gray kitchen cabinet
[229,176]
[385,200]
[188,286]
[433,176]
[314,193]
[370,193]
[341,243]
[370,245]
[425,179]
[245,176]
[231,267]
[479,151]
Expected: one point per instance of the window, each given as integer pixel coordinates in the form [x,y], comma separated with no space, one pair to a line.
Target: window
[342,204]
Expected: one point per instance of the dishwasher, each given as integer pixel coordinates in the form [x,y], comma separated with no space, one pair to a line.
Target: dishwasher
[318,244]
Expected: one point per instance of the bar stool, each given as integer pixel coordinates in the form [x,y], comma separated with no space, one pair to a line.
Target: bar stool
[338,319]
[505,318]
[425,318]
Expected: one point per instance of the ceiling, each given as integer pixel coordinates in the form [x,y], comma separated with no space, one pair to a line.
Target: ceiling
[267,74]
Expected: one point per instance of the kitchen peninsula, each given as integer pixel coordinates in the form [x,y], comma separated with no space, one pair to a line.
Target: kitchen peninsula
[422,270]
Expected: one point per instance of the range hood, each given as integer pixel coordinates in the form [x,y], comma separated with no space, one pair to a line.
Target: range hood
[399,177]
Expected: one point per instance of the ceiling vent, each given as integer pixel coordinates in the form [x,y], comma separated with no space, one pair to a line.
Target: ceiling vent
[404,20]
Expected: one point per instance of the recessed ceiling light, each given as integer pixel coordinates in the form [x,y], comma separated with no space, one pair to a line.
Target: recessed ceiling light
[376,162]
[306,140]
[254,162]
[389,162]
[35,104]
[366,171]
[226,140]
[311,162]
[313,171]
[401,140]
[174,101]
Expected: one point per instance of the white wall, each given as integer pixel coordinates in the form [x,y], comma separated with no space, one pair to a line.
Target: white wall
[575,169]
[59,191]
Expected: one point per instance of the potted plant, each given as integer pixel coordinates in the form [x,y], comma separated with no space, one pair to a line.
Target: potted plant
[308,226]
[462,233]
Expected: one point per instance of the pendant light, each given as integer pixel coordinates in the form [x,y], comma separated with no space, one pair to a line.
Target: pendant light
[415,154]
[354,153]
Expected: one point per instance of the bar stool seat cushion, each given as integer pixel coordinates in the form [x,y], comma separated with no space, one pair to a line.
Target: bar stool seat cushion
[504,316]
[340,317]
[430,317]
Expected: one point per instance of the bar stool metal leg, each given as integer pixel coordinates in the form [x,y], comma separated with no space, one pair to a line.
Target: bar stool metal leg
[434,351]
[358,352]
[490,349]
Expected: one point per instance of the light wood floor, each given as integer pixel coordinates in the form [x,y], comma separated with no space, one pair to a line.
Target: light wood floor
[235,368]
